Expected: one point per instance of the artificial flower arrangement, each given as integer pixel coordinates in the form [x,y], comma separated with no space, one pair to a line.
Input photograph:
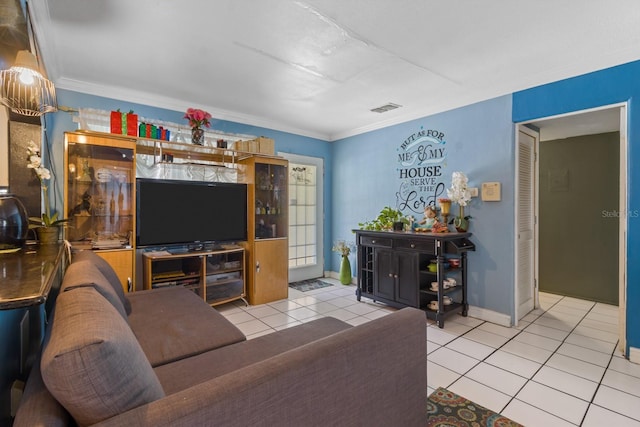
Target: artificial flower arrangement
[343,247]
[43,174]
[197,118]
[459,193]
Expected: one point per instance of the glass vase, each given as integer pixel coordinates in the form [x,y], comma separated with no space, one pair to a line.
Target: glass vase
[345,271]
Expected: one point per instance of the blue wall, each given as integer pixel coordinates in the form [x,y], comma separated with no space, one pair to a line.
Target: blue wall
[610,86]
[479,142]
[361,173]
[60,122]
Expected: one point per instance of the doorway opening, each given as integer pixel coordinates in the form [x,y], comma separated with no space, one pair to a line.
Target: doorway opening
[579,205]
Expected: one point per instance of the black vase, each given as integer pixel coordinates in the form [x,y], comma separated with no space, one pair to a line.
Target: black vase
[14,223]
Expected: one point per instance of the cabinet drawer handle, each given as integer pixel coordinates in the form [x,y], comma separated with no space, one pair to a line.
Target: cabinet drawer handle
[373,241]
[395,275]
[390,275]
[413,245]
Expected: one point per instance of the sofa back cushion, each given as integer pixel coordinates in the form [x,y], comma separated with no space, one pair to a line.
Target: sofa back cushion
[82,274]
[107,271]
[92,363]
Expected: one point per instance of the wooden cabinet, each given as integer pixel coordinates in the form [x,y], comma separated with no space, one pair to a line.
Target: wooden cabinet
[122,263]
[99,197]
[217,275]
[267,244]
[393,267]
[396,272]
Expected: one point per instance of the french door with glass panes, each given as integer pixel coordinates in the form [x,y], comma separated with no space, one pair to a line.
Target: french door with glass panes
[306,217]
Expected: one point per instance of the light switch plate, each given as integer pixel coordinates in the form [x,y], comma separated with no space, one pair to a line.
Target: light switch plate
[490,191]
[473,191]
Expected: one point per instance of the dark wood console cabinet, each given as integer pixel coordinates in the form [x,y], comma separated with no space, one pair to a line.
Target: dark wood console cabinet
[393,269]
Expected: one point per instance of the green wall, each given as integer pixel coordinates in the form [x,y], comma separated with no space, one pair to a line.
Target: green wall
[579,204]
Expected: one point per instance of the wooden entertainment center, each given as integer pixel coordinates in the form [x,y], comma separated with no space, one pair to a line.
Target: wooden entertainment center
[216,274]
[100,172]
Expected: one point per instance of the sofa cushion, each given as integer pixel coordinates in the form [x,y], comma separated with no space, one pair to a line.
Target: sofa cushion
[174,323]
[82,274]
[186,373]
[92,363]
[38,408]
[107,271]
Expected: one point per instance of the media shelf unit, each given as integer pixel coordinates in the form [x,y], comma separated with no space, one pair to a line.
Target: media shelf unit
[216,275]
[393,269]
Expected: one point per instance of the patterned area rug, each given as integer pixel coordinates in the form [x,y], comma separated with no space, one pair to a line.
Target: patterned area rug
[309,285]
[447,409]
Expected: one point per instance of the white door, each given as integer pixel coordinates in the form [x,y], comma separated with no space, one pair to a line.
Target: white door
[306,217]
[526,268]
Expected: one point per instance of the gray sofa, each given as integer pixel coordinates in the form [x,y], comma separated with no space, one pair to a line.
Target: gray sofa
[165,358]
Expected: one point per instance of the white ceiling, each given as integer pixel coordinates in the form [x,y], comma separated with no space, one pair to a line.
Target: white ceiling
[317,67]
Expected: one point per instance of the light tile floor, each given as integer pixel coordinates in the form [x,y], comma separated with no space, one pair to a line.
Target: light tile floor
[559,367]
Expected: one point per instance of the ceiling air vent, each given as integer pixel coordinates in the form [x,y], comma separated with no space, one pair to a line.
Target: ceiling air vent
[386,107]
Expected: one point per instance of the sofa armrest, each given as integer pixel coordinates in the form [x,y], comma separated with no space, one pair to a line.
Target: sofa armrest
[371,374]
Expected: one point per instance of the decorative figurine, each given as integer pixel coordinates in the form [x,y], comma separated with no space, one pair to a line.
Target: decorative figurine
[427,223]
[430,217]
[87,172]
[84,207]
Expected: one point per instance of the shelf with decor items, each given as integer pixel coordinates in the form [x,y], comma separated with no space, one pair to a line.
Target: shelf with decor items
[99,198]
[216,275]
[267,243]
[415,269]
[174,152]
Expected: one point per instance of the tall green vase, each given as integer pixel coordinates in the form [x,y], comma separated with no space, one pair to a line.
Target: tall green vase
[345,271]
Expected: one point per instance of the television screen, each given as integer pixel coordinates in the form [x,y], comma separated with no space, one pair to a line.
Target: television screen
[184,212]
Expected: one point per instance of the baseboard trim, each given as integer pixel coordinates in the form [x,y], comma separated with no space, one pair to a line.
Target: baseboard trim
[336,275]
[634,355]
[490,316]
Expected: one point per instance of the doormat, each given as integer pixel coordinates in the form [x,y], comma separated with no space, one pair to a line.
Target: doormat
[445,408]
[309,285]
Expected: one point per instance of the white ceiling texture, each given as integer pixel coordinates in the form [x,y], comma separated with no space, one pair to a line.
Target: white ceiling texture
[318,67]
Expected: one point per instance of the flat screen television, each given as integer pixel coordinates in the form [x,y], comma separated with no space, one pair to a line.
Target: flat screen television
[173,212]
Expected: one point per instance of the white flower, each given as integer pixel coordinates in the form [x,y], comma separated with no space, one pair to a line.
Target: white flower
[459,192]
[34,161]
[32,148]
[43,173]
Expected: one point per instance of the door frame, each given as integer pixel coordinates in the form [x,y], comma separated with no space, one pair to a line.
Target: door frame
[622,206]
[303,273]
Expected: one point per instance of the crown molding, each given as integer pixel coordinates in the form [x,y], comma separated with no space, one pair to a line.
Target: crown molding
[159,101]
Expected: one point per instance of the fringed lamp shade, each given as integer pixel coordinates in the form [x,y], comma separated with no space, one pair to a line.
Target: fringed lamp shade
[24,90]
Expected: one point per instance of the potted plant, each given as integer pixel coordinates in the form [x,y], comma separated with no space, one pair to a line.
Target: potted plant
[46,226]
[388,219]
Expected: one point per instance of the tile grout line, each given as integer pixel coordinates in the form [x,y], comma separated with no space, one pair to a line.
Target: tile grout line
[542,365]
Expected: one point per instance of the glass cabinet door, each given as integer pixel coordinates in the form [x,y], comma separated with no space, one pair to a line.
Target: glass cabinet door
[100,188]
[271,201]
